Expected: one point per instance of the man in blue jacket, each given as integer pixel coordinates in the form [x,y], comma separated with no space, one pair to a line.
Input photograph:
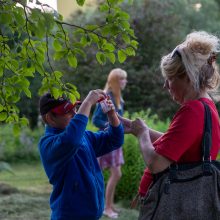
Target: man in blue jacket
[68,152]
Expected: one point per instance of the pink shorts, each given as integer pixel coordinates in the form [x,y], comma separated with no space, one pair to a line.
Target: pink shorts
[112,159]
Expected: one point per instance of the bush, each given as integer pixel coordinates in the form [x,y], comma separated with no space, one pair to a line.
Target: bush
[19,148]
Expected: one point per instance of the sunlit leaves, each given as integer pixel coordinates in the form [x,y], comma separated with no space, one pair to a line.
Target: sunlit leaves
[28,37]
[111,57]
[72,60]
[121,56]
[3,116]
[101,58]
[57,46]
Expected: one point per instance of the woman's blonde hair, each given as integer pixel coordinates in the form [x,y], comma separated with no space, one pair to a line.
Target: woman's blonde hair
[195,57]
[113,84]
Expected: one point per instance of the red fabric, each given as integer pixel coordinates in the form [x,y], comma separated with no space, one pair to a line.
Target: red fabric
[145,183]
[182,141]
[65,108]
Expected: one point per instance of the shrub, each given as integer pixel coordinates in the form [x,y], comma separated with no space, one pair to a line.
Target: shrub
[19,148]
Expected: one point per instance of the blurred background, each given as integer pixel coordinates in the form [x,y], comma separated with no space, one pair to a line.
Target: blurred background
[159,26]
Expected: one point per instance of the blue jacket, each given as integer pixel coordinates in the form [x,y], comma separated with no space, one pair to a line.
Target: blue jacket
[69,160]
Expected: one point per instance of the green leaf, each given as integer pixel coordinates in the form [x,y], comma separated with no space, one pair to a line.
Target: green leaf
[70,85]
[55,92]
[24,121]
[100,58]
[75,93]
[124,15]
[58,74]
[3,116]
[5,18]
[111,57]
[109,47]
[79,51]
[16,129]
[94,37]
[126,38]
[72,60]
[60,54]
[125,24]
[134,43]
[27,92]
[83,41]
[1,108]
[57,46]
[1,71]
[130,51]
[121,56]
[80,2]
[19,18]
[91,27]
[72,97]
[24,82]
[104,7]
[112,1]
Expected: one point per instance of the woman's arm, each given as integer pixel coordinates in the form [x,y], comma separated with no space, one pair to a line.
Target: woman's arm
[127,123]
[154,161]
[154,135]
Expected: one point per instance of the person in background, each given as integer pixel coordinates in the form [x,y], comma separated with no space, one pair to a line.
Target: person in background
[116,82]
[68,152]
[191,76]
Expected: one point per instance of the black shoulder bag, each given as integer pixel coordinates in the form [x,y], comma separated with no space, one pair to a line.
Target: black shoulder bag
[186,191]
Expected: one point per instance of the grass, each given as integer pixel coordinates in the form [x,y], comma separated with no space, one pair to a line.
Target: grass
[31,202]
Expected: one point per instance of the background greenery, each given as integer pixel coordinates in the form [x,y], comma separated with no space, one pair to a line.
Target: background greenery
[159,27]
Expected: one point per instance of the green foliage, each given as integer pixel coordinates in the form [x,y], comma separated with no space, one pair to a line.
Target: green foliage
[19,148]
[159,26]
[132,170]
[27,36]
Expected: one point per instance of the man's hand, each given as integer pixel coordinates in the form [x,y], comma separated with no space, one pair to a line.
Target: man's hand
[94,96]
[126,124]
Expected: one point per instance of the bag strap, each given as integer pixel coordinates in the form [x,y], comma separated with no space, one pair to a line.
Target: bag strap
[205,151]
[207,134]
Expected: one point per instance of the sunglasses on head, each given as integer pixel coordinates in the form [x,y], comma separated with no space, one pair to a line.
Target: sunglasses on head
[65,108]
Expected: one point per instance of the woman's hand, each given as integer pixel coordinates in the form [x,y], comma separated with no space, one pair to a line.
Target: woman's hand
[139,127]
[135,127]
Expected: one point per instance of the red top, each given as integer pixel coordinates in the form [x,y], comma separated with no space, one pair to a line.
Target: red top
[182,141]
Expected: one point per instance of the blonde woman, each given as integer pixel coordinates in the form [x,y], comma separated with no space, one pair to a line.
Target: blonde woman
[116,82]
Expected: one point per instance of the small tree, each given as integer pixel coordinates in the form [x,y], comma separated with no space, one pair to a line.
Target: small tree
[26,35]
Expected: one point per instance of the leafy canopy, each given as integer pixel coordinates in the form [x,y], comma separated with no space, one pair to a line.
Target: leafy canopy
[26,36]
